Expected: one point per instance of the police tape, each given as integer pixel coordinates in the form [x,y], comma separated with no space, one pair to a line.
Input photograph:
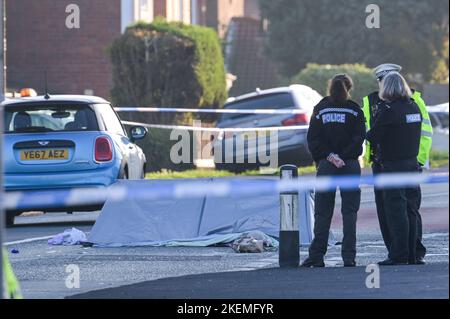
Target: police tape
[217,111]
[220,187]
[218,129]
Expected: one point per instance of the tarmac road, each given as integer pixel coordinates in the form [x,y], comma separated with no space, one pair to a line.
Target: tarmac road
[42,268]
[395,283]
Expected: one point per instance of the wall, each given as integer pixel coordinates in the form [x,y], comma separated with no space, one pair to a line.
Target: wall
[75,59]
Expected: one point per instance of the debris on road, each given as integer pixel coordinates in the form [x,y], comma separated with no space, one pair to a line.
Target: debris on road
[68,237]
[254,242]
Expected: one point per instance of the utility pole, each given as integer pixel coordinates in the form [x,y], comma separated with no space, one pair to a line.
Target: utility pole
[2,97]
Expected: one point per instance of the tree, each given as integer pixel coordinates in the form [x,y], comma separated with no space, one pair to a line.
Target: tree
[412,34]
[318,76]
[166,64]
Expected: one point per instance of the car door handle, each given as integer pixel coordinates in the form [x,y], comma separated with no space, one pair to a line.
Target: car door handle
[255,122]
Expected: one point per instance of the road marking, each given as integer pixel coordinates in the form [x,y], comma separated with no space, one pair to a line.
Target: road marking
[29,240]
[368,201]
[433,235]
[429,255]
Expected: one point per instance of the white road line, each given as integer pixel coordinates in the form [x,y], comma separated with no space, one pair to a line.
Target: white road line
[433,235]
[28,240]
[240,269]
[368,201]
[429,255]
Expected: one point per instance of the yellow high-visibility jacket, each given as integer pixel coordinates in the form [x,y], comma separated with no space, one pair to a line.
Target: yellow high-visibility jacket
[11,284]
[426,138]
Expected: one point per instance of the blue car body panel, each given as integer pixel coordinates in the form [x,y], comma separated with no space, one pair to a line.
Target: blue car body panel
[79,169]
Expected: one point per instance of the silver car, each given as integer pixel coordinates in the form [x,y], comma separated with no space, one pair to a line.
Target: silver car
[291,145]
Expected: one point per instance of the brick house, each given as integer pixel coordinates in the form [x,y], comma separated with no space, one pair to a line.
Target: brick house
[76,60]
[217,14]
[245,57]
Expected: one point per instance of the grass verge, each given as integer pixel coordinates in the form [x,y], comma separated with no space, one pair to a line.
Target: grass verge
[209,173]
[437,159]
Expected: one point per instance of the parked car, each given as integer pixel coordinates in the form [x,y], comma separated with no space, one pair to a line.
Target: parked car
[63,142]
[439,117]
[439,121]
[292,144]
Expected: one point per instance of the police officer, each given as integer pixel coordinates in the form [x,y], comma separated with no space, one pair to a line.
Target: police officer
[335,138]
[396,131]
[371,108]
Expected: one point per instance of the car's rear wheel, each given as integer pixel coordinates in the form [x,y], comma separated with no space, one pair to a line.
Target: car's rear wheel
[124,173]
[235,168]
[10,220]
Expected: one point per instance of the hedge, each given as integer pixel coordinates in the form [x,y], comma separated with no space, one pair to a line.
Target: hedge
[318,75]
[166,64]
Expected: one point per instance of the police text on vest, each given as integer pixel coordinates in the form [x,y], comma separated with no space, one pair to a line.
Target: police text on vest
[333,118]
[413,118]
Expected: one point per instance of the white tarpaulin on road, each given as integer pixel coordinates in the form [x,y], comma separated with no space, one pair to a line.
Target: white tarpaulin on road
[191,222]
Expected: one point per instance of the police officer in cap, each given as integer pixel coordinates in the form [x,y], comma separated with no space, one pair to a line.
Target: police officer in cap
[371,109]
[396,132]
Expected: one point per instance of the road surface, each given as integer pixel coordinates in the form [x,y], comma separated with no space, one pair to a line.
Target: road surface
[42,268]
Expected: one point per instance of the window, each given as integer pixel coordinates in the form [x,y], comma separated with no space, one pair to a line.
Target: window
[134,10]
[268,101]
[145,10]
[49,118]
[110,120]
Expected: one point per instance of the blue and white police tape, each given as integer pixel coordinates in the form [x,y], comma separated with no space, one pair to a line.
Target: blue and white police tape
[217,129]
[221,187]
[217,111]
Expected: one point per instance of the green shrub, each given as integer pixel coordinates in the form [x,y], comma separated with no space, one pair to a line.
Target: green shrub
[317,76]
[156,145]
[168,65]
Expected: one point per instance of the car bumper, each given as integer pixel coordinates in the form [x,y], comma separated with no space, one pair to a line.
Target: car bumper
[61,180]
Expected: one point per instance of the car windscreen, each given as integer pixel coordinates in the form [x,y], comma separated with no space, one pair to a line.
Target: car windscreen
[267,101]
[443,119]
[21,118]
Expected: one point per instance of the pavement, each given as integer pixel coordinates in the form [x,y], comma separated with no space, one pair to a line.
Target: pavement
[195,272]
[398,282]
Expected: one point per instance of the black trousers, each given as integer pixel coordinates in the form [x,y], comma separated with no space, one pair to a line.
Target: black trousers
[323,213]
[414,200]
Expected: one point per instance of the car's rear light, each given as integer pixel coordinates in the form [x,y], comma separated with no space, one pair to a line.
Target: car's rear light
[297,119]
[103,149]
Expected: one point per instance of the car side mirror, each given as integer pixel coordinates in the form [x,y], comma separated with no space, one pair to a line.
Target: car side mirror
[138,132]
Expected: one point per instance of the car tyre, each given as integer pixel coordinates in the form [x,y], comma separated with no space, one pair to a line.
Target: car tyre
[10,220]
[124,173]
[143,173]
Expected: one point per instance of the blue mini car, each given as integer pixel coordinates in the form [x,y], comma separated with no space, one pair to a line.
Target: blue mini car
[62,142]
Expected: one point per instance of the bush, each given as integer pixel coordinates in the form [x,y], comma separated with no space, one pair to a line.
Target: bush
[166,65]
[317,76]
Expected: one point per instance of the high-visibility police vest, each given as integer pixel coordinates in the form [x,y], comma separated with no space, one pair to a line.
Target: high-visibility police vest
[426,138]
[11,285]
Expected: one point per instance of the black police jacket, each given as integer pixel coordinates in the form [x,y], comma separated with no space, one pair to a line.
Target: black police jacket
[338,129]
[397,130]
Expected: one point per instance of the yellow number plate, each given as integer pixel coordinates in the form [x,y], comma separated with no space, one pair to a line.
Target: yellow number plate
[44,155]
